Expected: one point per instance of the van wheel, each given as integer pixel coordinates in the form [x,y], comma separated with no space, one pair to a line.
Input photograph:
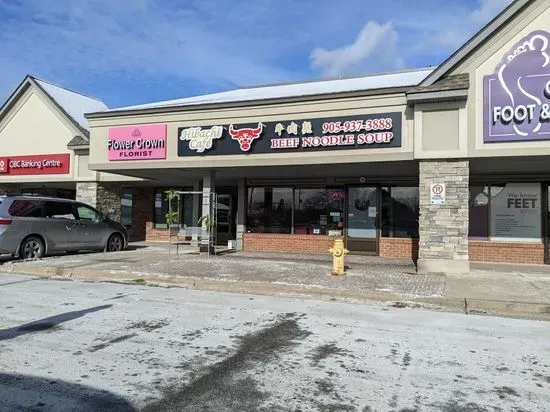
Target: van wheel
[115,243]
[32,248]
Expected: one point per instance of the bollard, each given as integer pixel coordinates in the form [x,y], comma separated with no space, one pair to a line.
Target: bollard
[338,252]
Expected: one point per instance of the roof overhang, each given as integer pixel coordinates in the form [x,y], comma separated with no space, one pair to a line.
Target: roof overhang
[441,96]
[247,103]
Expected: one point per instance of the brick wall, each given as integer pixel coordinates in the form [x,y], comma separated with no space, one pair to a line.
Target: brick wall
[504,252]
[270,242]
[398,248]
[142,217]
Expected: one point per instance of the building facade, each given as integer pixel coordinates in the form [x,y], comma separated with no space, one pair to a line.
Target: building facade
[45,148]
[445,166]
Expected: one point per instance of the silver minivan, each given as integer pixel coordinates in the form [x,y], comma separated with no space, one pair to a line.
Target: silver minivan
[33,226]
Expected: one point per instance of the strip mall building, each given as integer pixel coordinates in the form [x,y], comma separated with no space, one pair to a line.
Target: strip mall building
[446,165]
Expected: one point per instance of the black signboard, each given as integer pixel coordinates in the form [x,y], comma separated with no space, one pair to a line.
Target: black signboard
[349,132]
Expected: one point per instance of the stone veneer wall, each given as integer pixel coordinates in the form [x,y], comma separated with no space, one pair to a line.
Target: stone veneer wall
[443,229]
[105,197]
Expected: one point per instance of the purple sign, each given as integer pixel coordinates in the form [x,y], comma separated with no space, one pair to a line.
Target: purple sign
[517,95]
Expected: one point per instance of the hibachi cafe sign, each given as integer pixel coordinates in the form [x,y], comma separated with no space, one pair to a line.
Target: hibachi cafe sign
[351,132]
[517,95]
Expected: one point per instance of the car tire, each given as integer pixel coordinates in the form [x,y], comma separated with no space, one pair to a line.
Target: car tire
[32,248]
[115,243]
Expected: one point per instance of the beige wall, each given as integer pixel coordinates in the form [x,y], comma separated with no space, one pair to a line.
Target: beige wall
[279,112]
[34,127]
[83,170]
[483,62]
[440,130]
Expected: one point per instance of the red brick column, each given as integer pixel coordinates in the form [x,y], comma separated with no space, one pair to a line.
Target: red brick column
[142,213]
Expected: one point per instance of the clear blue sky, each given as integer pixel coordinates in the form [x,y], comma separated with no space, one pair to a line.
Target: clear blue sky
[136,51]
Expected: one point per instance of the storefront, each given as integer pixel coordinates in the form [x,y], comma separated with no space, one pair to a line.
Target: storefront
[446,165]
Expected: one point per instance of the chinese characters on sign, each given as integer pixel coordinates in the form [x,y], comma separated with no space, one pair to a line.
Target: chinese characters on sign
[517,95]
[349,132]
[336,134]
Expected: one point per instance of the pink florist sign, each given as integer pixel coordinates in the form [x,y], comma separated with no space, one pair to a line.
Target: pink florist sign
[143,142]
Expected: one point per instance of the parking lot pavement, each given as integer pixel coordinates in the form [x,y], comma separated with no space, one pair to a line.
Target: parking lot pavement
[112,347]
[371,274]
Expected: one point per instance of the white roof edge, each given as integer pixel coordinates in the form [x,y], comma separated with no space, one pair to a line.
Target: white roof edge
[402,78]
[335,78]
[74,104]
[474,41]
[38,79]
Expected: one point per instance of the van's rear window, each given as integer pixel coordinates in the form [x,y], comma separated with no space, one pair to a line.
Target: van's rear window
[26,208]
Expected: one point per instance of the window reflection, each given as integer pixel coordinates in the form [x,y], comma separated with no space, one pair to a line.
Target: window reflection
[319,211]
[400,212]
[269,210]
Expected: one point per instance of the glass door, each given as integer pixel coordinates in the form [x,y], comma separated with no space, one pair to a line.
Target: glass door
[362,218]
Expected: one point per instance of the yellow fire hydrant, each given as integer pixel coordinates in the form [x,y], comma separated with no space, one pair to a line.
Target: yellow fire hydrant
[338,252]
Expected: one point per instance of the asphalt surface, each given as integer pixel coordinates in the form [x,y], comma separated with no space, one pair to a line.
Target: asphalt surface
[67,345]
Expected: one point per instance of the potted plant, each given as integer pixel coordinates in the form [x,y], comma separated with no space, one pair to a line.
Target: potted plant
[172,215]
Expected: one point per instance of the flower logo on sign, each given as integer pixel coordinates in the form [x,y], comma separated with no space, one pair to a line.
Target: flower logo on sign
[136,133]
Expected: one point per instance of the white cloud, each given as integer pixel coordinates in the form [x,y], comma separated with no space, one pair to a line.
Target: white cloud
[487,10]
[374,47]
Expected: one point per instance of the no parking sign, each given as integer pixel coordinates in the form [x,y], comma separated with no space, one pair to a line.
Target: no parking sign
[437,193]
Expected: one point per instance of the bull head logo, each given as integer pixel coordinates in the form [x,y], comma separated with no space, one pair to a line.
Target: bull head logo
[246,136]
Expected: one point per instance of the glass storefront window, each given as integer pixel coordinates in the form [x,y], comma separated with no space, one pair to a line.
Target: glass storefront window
[515,212]
[318,211]
[126,207]
[161,208]
[269,210]
[508,212]
[479,213]
[400,212]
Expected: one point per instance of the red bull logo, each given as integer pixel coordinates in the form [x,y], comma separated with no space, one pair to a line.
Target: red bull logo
[245,137]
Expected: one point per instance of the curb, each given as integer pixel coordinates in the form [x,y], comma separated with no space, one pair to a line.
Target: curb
[528,310]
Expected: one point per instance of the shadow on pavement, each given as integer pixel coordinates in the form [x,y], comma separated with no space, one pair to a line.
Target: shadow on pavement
[32,393]
[46,323]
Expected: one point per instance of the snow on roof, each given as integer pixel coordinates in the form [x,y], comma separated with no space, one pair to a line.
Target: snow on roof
[375,81]
[75,104]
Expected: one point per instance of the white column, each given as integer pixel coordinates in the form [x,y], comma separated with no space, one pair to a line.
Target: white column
[241,213]
[195,214]
[208,188]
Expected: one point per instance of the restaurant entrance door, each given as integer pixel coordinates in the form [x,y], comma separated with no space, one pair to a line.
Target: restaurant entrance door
[362,219]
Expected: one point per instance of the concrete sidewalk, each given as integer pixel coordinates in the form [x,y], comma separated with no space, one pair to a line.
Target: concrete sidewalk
[504,290]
